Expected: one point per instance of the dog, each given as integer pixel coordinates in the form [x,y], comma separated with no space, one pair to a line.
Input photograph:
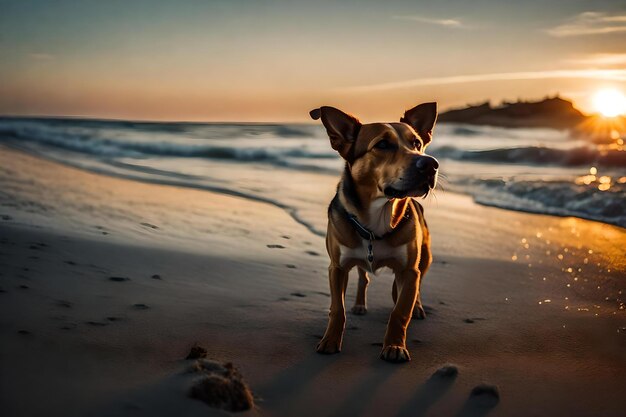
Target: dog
[373,220]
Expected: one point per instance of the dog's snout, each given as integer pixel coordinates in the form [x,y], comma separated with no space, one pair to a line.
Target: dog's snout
[427,164]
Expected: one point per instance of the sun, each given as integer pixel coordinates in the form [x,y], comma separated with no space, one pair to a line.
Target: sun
[609,102]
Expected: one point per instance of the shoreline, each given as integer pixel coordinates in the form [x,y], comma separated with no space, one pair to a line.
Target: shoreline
[477,198]
[264,307]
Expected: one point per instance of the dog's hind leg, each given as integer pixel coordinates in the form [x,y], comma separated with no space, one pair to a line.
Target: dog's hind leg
[333,337]
[360,304]
[426,259]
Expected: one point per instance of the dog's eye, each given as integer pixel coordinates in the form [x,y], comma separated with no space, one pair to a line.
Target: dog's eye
[383,144]
[417,144]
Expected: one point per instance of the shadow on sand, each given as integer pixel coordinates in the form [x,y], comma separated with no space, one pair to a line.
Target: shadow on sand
[283,391]
[477,407]
[357,401]
[427,395]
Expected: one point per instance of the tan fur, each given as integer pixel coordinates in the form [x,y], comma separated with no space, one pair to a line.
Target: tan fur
[405,248]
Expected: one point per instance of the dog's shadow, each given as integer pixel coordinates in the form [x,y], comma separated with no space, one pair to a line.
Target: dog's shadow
[356,402]
[284,390]
[426,396]
[477,407]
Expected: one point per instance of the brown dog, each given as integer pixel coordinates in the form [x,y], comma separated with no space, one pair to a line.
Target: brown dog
[373,222]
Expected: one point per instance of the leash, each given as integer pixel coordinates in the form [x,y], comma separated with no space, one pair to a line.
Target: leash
[365,234]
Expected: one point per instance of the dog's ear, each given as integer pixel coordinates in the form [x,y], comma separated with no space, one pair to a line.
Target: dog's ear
[342,128]
[422,118]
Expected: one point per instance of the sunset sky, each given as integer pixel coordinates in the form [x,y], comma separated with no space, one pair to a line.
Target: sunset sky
[275,60]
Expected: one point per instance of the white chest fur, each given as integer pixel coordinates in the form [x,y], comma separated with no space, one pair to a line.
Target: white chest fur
[382,251]
[379,217]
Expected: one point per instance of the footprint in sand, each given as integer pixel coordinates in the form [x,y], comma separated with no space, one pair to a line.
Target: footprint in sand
[72,263]
[312,253]
[96,323]
[24,332]
[102,230]
[64,303]
[6,217]
[140,306]
[286,237]
[156,276]
[447,371]
[119,279]
[298,294]
[485,395]
[473,319]
[151,226]
[290,266]
[275,246]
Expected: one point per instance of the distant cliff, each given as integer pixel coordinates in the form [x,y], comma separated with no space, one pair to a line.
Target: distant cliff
[553,112]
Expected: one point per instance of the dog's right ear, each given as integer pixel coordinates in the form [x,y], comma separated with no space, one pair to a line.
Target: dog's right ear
[342,128]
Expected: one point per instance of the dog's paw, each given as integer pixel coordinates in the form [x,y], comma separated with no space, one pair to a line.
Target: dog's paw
[396,354]
[418,312]
[359,309]
[328,346]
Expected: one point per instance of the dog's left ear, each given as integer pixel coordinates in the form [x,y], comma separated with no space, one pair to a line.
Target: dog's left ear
[422,118]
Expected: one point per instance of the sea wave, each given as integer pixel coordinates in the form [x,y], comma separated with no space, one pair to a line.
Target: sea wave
[559,198]
[540,155]
[91,137]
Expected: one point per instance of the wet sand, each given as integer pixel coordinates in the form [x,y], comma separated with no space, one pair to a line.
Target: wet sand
[107,283]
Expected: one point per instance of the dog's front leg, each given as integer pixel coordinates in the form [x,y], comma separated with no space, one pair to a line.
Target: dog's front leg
[331,342]
[394,346]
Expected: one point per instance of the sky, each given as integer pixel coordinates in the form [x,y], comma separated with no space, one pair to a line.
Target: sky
[257,60]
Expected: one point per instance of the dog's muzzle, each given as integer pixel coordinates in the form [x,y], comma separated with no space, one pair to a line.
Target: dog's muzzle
[418,179]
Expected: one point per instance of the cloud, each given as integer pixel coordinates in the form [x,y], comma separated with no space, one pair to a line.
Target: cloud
[590,23]
[601,60]
[609,74]
[40,56]
[450,23]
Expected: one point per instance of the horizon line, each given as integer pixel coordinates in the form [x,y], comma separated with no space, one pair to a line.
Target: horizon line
[163,121]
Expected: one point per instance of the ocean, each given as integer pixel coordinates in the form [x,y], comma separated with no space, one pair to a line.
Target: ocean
[292,166]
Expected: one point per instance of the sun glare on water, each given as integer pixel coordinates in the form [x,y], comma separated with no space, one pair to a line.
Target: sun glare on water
[609,102]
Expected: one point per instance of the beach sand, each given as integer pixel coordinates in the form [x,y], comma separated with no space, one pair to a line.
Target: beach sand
[107,283]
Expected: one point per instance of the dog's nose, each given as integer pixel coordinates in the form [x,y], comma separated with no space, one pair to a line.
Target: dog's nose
[427,164]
